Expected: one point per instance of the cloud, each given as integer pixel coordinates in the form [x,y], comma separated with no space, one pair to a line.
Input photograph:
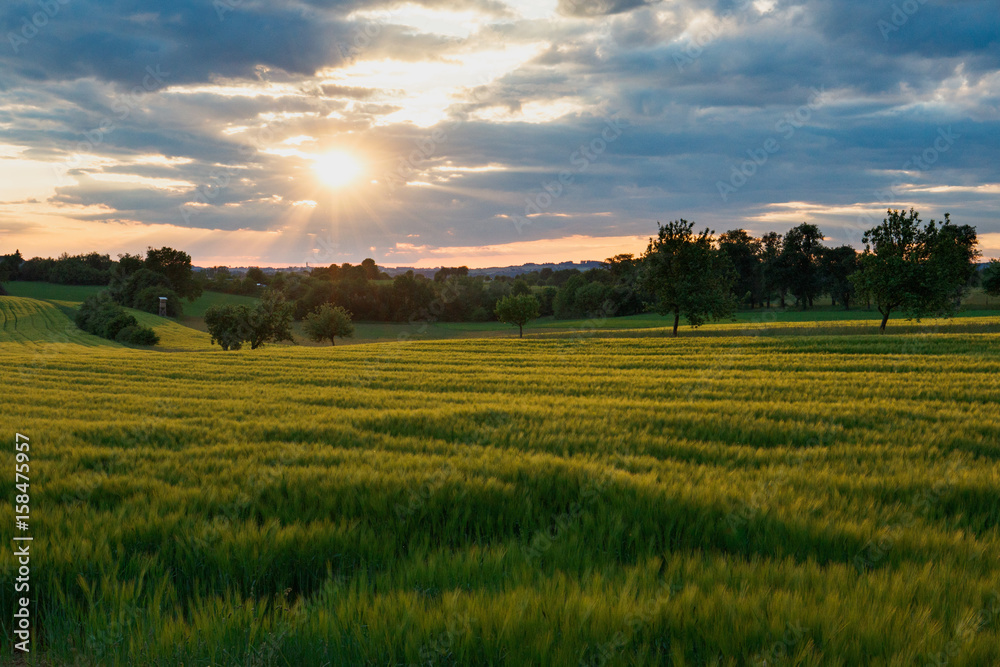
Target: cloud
[467,129]
[593,8]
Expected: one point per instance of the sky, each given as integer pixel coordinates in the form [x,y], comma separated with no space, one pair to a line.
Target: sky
[486,132]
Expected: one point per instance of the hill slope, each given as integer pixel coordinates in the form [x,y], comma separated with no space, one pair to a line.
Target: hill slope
[34,322]
[38,322]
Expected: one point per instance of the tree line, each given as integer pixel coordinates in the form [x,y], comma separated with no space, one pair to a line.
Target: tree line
[906,267]
[683,274]
[133,281]
[916,269]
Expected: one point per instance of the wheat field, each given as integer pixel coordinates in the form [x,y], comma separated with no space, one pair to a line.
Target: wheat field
[583,500]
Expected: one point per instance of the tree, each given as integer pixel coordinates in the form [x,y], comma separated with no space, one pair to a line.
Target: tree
[219,278]
[227,325]
[257,275]
[126,290]
[744,253]
[327,322]
[913,268]
[317,292]
[411,294]
[90,269]
[952,257]
[37,269]
[270,321]
[148,300]
[772,268]
[622,267]
[137,335]
[801,250]
[564,305]
[626,296]
[687,275]
[101,316]
[445,272]
[176,266]
[837,265]
[991,278]
[126,265]
[592,299]
[10,266]
[353,273]
[520,287]
[370,267]
[546,298]
[517,309]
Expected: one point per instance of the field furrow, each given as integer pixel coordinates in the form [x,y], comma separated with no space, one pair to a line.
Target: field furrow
[599,501]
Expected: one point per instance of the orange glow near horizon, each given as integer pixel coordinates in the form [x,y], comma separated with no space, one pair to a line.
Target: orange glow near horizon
[576,248]
[39,230]
[50,234]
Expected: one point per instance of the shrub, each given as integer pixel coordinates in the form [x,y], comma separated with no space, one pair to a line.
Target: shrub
[137,335]
[95,312]
[118,322]
[101,316]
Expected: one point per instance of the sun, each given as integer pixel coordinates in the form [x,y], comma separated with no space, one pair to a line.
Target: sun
[337,168]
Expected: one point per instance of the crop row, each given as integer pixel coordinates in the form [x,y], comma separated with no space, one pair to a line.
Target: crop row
[606,501]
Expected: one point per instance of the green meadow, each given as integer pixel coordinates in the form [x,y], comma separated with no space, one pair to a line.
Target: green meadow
[776,490]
